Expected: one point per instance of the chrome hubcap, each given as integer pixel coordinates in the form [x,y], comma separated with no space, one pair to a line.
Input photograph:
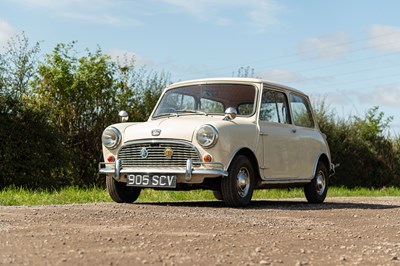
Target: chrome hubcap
[320,183]
[243,182]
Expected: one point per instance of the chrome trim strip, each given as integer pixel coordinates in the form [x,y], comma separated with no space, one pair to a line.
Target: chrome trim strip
[285,180]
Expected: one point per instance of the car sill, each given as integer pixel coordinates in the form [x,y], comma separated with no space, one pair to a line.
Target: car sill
[270,181]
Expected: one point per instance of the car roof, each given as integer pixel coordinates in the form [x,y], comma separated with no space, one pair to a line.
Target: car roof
[233,80]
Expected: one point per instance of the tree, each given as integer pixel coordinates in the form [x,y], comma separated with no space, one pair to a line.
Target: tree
[245,72]
[82,96]
[18,65]
[30,150]
[138,89]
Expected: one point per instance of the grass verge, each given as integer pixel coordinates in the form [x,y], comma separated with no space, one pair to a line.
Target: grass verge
[73,195]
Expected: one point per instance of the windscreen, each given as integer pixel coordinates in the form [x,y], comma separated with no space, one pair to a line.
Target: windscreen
[208,99]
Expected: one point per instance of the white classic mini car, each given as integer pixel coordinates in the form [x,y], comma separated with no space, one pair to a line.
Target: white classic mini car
[230,135]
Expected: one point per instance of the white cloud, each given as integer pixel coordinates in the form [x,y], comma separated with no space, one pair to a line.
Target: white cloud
[194,7]
[265,13]
[125,57]
[37,3]
[385,38]
[6,32]
[103,19]
[259,13]
[281,76]
[381,95]
[326,47]
[90,11]
[69,4]
[387,97]
[333,98]
[285,76]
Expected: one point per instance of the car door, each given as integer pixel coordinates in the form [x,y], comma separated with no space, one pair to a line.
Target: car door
[308,135]
[278,137]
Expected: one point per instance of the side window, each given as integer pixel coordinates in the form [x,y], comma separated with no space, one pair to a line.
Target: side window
[274,107]
[301,111]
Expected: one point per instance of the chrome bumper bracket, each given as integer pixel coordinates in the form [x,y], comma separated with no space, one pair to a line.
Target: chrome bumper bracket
[189,168]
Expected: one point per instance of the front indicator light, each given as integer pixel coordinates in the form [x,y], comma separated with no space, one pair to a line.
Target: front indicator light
[207,158]
[110,158]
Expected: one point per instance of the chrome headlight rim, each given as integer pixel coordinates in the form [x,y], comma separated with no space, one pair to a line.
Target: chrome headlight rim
[212,141]
[113,142]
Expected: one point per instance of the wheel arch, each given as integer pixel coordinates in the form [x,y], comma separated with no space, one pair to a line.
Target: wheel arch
[323,158]
[253,159]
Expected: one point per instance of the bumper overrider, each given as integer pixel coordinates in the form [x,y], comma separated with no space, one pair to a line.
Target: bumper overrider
[191,170]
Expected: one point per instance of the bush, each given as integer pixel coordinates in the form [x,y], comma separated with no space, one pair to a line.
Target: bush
[31,152]
[366,156]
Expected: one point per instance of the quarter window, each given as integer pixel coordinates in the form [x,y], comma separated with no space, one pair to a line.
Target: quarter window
[246,108]
[301,111]
[274,107]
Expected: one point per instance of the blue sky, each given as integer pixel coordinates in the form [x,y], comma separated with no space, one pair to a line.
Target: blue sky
[345,51]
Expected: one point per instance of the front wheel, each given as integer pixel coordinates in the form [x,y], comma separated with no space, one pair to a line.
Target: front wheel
[217,195]
[120,192]
[237,188]
[317,189]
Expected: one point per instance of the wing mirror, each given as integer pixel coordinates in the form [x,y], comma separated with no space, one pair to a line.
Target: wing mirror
[230,114]
[123,116]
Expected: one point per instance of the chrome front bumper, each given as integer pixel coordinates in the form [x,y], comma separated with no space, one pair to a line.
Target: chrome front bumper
[208,169]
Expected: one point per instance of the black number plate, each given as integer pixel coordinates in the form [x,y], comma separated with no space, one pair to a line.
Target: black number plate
[154,180]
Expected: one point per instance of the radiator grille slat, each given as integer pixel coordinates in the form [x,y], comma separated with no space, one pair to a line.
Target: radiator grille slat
[130,154]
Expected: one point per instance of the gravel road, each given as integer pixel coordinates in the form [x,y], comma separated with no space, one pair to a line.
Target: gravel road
[342,231]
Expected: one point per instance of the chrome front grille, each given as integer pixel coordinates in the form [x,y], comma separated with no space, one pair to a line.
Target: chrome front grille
[153,154]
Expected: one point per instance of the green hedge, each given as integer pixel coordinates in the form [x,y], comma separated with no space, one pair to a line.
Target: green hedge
[367,156]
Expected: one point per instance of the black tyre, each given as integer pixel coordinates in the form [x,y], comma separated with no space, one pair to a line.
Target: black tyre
[317,189]
[218,195]
[237,188]
[121,193]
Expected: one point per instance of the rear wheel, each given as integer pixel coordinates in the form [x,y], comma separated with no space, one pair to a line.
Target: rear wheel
[120,192]
[237,188]
[317,189]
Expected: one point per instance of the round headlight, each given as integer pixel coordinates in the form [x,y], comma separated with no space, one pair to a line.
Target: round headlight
[111,137]
[207,136]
